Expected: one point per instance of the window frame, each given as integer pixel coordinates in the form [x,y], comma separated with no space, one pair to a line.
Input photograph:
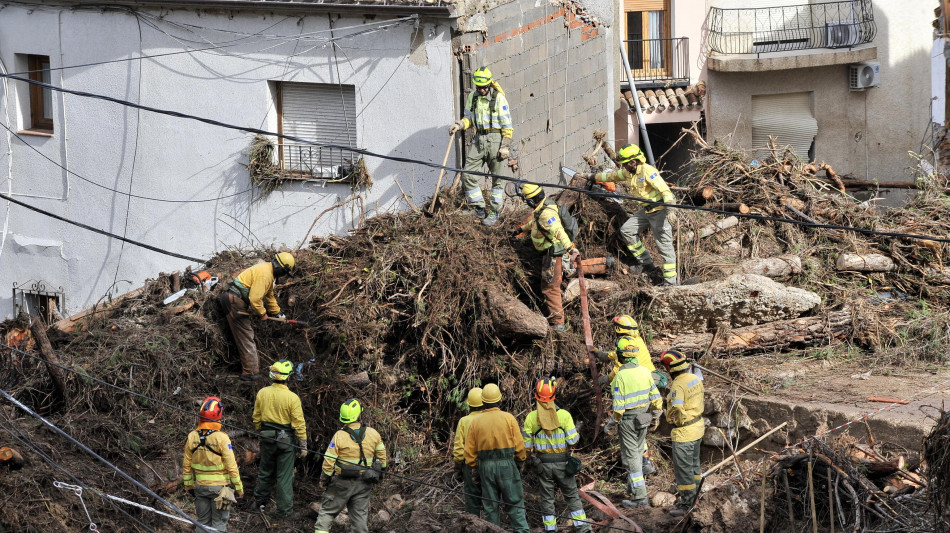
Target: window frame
[39,95]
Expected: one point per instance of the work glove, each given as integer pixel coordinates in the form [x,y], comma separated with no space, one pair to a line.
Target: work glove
[281,316]
[456,126]
[324,481]
[225,498]
[671,216]
[302,452]
[535,463]
[610,426]
[573,252]
[603,380]
[513,232]
[190,491]
[602,356]
[657,416]
[520,465]
[263,316]
[476,480]
[505,150]
[239,494]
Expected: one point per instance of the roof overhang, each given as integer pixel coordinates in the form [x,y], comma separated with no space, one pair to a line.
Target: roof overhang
[370,7]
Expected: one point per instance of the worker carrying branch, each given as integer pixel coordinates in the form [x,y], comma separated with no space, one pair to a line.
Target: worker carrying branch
[249,295]
[644,181]
[487,111]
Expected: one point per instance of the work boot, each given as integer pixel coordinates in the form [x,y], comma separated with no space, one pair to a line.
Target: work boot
[479,212]
[634,504]
[648,468]
[249,377]
[491,219]
[678,511]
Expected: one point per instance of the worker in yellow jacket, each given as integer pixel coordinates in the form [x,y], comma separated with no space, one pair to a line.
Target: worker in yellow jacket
[493,446]
[209,468]
[548,434]
[684,411]
[278,416]
[644,182]
[353,463]
[636,403]
[473,504]
[251,295]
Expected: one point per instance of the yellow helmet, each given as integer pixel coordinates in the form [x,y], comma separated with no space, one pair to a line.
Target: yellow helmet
[629,153]
[674,361]
[532,194]
[284,264]
[491,393]
[474,397]
[627,349]
[350,411]
[626,325]
[281,370]
[482,77]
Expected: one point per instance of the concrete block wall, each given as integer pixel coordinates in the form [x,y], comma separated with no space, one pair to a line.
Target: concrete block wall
[552,66]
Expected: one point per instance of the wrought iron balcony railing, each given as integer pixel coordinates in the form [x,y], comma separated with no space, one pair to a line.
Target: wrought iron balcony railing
[306,161]
[658,60]
[794,27]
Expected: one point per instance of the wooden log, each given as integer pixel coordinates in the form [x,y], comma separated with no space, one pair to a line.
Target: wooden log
[937,275]
[714,228]
[359,379]
[864,263]
[771,267]
[80,320]
[179,309]
[793,202]
[806,331]
[511,318]
[595,287]
[38,329]
[731,207]
[176,281]
[700,196]
[744,449]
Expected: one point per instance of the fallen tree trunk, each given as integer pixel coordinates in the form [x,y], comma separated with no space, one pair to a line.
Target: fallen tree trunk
[79,320]
[864,263]
[53,364]
[595,287]
[716,227]
[732,208]
[807,331]
[770,267]
[513,319]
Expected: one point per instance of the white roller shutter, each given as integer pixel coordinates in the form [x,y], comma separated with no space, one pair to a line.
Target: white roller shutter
[788,118]
[318,112]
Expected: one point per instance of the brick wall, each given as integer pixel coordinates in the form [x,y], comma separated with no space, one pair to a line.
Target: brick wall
[553,67]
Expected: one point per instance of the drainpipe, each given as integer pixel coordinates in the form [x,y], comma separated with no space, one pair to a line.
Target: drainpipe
[636,106]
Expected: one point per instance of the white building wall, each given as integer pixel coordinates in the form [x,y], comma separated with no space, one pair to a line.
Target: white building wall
[404,104]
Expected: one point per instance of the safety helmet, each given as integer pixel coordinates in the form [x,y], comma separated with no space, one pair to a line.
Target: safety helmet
[350,411]
[491,393]
[281,370]
[626,325]
[284,264]
[210,409]
[544,390]
[474,397]
[482,77]
[532,194]
[629,153]
[627,348]
[673,361]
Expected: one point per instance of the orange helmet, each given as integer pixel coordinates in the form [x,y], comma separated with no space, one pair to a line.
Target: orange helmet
[544,391]
[210,409]
[673,361]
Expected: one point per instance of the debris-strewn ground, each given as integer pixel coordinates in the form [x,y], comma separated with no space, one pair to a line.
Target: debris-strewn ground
[400,317]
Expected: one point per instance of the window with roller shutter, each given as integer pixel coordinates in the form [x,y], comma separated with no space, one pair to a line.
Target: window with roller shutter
[324,114]
[787,117]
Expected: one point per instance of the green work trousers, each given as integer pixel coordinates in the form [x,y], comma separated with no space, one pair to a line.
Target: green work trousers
[551,476]
[484,151]
[473,504]
[208,514]
[662,235]
[686,471]
[276,468]
[633,439]
[353,494]
[501,483]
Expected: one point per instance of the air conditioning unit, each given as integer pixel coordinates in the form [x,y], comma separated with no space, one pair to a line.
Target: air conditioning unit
[863,75]
[842,34]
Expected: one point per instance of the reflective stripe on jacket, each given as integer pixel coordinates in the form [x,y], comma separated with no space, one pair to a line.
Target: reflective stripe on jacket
[277,404]
[259,281]
[684,405]
[204,466]
[461,433]
[633,388]
[546,228]
[484,117]
[343,447]
[494,430]
[538,440]
[643,356]
[645,183]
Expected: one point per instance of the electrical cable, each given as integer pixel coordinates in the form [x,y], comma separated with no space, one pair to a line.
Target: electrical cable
[102,232]
[24,440]
[101,459]
[86,375]
[438,166]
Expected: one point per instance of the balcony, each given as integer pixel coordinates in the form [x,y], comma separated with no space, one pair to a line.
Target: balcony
[793,36]
[658,62]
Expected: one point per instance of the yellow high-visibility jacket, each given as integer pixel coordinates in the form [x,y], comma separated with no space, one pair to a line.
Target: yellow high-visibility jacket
[684,408]
[645,183]
[537,440]
[258,281]
[486,118]
[276,404]
[212,464]
[643,356]
[633,388]
[494,433]
[343,447]
[546,228]
[461,434]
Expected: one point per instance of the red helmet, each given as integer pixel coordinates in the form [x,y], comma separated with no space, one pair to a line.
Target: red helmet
[210,409]
[673,361]
[545,389]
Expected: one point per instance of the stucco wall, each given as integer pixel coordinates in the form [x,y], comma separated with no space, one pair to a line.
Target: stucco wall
[863,133]
[403,102]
